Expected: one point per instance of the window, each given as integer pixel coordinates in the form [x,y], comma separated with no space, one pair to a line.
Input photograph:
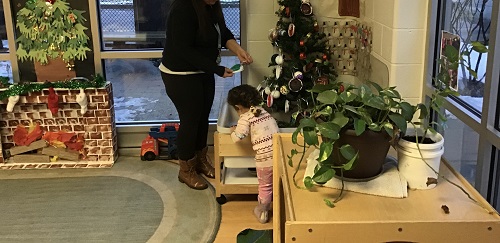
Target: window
[140,24]
[461,147]
[470,20]
[138,90]
[139,93]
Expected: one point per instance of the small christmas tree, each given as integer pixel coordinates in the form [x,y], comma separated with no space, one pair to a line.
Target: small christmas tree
[51,29]
[303,58]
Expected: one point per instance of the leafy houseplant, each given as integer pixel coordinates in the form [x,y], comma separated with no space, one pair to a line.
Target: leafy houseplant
[368,108]
[51,29]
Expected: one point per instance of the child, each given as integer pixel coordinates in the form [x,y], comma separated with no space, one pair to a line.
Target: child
[261,126]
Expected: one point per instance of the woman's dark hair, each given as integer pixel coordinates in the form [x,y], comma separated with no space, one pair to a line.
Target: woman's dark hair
[203,17]
[244,95]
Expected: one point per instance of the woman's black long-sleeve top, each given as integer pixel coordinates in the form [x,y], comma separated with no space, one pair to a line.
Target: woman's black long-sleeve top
[184,49]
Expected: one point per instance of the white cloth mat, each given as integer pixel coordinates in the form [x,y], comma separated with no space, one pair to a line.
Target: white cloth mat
[389,184]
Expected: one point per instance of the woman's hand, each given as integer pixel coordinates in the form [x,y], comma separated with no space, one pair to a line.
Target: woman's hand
[228,73]
[244,57]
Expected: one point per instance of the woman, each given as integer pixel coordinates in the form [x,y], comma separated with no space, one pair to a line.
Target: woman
[196,32]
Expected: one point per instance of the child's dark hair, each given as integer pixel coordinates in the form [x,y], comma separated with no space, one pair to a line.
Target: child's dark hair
[246,96]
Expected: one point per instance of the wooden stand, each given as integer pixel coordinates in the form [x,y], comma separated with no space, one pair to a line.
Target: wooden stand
[301,215]
[233,178]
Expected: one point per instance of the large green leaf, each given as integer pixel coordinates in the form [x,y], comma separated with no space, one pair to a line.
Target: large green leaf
[359,126]
[310,136]
[399,120]
[323,175]
[325,150]
[407,110]
[347,151]
[364,91]
[377,86]
[451,53]
[340,119]
[479,47]
[376,102]
[347,96]
[329,130]
[327,97]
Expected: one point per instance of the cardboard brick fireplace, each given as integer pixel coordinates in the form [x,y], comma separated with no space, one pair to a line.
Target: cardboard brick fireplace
[96,126]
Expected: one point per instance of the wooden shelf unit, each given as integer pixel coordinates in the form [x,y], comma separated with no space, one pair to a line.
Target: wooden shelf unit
[233,177]
[301,215]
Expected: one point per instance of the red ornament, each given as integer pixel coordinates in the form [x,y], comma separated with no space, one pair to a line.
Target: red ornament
[50,1]
[302,56]
[341,88]
[287,11]
[301,43]
[322,80]
[53,101]
[325,57]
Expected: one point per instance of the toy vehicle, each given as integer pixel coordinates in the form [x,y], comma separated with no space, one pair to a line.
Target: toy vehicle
[166,134]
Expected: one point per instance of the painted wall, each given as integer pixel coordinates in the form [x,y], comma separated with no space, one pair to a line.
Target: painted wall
[399,39]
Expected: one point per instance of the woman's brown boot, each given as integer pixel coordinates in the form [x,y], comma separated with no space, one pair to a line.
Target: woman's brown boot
[188,175]
[204,165]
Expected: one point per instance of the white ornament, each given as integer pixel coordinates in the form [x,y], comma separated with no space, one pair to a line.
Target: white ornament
[279,59]
[298,75]
[81,99]
[267,90]
[278,72]
[12,102]
[287,106]
[275,94]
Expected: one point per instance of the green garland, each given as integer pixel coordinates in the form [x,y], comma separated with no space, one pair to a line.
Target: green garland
[24,88]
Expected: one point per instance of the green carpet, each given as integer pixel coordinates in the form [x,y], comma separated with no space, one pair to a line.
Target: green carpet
[134,201]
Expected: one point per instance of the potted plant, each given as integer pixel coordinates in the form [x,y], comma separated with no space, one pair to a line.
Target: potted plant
[51,33]
[346,123]
[420,148]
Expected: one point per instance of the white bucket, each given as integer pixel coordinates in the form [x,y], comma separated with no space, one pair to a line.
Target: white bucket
[411,165]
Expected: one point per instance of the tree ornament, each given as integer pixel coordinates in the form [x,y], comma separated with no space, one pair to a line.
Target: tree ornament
[341,88]
[281,32]
[278,59]
[307,68]
[295,85]
[302,56]
[50,1]
[322,80]
[81,99]
[291,29]
[306,7]
[287,106]
[325,57]
[53,101]
[284,90]
[275,94]
[273,35]
[278,71]
[287,11]
[302,43]
[298,75]
[12,102]
[267,90]
[269,100]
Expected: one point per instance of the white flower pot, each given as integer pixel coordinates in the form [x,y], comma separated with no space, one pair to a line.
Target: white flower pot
[410,163]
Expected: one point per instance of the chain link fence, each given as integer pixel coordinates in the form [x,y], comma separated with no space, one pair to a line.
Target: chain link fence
[125,15]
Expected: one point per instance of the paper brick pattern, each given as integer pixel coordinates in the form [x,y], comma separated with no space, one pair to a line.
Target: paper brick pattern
[97,125]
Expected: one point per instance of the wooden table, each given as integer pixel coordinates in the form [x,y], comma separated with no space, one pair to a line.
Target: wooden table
[300,215]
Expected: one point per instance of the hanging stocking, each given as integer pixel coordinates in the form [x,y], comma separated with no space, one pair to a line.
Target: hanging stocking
[53,101]
[81,99]
[12,102]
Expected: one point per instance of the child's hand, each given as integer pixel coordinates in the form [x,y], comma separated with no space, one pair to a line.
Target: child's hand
[228,73]
[232,128]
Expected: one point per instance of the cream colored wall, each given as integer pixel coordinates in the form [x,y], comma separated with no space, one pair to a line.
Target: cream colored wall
[399,39]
